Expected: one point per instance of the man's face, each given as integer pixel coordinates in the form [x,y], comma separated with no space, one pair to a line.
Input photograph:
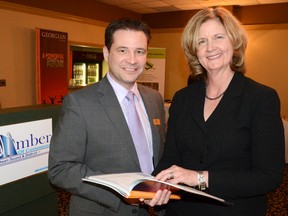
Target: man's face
[127,56]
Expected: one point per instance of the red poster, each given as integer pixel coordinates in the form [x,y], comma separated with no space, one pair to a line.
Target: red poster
[51,66]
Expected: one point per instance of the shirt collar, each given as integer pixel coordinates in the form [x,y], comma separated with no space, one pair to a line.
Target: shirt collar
[120,91]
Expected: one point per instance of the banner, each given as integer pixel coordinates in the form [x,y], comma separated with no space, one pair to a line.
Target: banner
[51,66]
[24,152]
[154,73]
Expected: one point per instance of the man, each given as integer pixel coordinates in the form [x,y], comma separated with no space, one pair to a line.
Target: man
[93,137]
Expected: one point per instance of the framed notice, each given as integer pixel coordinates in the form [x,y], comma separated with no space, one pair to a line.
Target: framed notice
[51,66]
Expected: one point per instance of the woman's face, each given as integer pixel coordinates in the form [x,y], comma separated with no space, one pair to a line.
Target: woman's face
[214,50]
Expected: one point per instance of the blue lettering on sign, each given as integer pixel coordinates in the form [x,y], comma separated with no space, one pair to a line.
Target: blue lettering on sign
[32,141]
[10,147]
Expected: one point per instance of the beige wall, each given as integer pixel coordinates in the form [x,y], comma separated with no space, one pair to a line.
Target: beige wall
[17,49]
[266,53]
[267,58]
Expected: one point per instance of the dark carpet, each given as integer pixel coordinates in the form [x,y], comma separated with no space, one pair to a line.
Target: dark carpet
[277,200]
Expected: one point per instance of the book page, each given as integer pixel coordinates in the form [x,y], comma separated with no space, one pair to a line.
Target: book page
[123,183]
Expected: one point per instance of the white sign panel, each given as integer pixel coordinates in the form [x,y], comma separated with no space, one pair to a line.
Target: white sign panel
[24,149]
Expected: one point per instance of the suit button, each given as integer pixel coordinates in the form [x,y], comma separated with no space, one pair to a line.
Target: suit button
[134,211]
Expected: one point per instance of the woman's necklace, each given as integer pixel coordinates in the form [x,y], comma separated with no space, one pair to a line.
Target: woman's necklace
[215,98]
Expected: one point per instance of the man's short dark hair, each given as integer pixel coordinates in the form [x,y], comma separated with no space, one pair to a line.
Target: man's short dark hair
[125,24]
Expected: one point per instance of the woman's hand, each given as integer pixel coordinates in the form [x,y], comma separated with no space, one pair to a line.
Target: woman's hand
[176,175]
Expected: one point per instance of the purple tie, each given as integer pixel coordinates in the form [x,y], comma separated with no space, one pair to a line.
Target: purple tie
[138,135]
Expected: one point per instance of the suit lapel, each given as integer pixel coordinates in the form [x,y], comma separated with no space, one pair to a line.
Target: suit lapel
[195,103]
[229,101]
[113,109]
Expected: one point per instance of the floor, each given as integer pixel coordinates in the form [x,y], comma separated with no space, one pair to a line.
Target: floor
[278,200]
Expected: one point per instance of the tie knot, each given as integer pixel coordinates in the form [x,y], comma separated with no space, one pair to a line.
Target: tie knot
[130,96]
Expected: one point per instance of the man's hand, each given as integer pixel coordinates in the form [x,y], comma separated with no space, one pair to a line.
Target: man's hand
[161,198]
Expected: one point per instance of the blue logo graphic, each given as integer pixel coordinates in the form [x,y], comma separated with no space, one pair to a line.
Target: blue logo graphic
[7,148]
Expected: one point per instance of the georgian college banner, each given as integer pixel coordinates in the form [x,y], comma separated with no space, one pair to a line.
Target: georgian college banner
[51,66]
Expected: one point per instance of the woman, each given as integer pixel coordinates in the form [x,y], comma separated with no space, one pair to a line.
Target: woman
[225,134]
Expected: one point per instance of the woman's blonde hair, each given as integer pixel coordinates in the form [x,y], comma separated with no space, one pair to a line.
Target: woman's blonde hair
[233,27]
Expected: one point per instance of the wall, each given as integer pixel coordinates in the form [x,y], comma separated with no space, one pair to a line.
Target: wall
[266,53]
[266,58]
[18,50]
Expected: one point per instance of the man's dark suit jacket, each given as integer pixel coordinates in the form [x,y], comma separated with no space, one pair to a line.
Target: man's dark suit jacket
[92,137]
[241,145]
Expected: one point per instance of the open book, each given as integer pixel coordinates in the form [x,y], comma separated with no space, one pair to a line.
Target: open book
[140,185]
